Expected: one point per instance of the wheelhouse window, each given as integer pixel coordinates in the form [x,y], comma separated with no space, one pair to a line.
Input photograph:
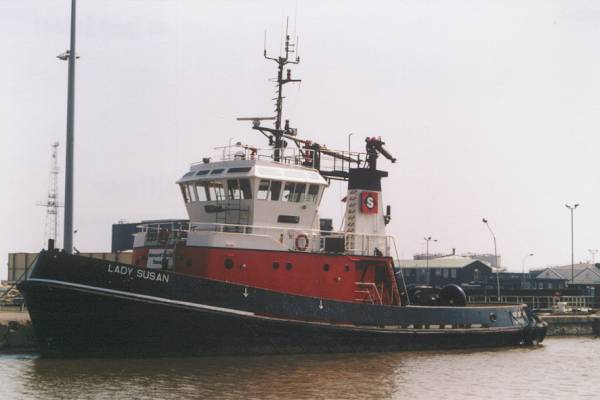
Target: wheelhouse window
[299,190]
[263,189]
[193,192]
[288,191]
[239,189]
[202,191]
[184,193]
[296,192]
[275,190]
[313,194]
[216,191]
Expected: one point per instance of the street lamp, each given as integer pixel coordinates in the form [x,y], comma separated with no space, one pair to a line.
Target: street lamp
[69,56]
[349,136]
[523,267]
[593,253]
[427,240]
[485,221]
[572,208]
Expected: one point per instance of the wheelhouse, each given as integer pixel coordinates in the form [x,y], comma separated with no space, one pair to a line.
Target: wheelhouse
[253,192]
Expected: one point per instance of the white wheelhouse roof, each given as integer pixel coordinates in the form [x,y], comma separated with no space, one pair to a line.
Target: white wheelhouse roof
[252,168]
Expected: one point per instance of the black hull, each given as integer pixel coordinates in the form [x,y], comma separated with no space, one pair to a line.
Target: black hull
[78,307]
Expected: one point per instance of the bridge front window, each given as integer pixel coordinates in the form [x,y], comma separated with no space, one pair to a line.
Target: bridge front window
[238,189]
[275,190]
[216,191]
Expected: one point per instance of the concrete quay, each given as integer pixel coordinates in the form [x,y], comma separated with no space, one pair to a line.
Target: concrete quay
[572,324]
[16,332]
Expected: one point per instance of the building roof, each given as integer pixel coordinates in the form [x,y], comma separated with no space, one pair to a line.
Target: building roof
[584,273]
[441,262]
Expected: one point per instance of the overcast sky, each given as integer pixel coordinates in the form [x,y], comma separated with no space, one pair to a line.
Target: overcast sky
[491,108]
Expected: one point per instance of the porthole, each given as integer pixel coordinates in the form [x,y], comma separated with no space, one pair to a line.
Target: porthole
[275,265]
[228,263]
[492,317]
[288,266]
[326,267]
[346,268]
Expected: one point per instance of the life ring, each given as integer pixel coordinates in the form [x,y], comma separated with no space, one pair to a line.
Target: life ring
[301,242]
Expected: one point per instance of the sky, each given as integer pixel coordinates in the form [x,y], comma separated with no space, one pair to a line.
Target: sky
[491,108]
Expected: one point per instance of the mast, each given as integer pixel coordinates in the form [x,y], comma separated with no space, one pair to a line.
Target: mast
[311,152]
[276,135]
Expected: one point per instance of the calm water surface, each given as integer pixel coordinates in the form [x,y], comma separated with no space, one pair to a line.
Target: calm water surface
[566,368]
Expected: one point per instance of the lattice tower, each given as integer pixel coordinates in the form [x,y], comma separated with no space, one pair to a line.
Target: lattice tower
[52,204]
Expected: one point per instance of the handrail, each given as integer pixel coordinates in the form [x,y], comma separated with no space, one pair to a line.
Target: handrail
[401,272]
[291,156]
[538,302]
[370,285]
[363,244]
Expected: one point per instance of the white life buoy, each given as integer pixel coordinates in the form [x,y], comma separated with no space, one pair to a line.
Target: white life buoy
[301,242]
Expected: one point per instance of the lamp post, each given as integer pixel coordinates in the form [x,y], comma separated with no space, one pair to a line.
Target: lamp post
[593,253]
[349,136]
[70,56]
[572,208]
[427,240]
[523,267]
[485,221]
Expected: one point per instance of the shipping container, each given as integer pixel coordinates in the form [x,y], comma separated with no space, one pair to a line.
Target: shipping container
[19,263]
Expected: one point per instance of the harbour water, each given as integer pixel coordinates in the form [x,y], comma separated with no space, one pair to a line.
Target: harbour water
[561,368]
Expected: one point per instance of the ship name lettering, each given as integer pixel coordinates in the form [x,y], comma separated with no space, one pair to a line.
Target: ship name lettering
[152,275]
[120,269]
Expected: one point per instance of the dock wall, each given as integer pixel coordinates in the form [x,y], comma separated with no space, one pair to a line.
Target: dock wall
[16,336]
[572,325]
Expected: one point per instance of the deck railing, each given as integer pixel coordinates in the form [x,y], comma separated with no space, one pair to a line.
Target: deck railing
[291,238]
[541,302]
[305,157]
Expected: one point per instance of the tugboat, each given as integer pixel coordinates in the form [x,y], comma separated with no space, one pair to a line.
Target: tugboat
[254,272]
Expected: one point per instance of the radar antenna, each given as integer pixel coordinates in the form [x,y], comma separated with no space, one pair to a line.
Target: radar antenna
[275,135]
[311,152]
